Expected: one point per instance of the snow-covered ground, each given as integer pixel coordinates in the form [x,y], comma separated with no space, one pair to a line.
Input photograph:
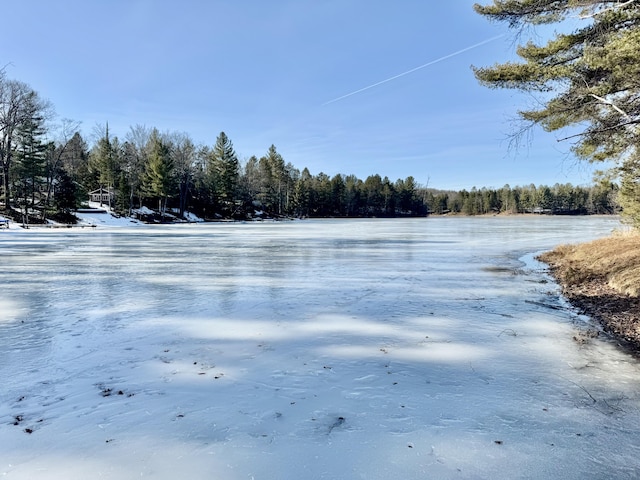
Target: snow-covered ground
[100,216]
[95,216]
[377,349]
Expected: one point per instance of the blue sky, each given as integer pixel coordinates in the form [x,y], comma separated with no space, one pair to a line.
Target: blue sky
[274,72]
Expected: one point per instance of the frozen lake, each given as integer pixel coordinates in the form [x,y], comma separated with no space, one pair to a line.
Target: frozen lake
[332,349]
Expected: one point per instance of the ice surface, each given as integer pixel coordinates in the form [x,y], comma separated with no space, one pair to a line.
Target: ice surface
[377,349]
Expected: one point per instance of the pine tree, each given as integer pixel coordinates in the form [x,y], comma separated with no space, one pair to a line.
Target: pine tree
[30,155]
[75,162]
[65,196]
[302,194]
[276,182]
[159,179]
[250,182]
[105,162]
[591,72]
[225,170]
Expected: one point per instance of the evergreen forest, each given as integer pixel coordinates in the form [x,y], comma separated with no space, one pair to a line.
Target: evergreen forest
[49,171]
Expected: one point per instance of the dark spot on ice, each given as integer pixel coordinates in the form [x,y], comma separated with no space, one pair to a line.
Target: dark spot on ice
[201,373]
[501,269]
[21,398]
[18,419]
[28,430]
[337,423]
[120,392]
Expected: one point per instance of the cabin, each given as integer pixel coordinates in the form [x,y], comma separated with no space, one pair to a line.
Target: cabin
[102,195]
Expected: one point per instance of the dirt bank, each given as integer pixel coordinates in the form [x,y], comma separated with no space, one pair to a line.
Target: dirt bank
[602,279]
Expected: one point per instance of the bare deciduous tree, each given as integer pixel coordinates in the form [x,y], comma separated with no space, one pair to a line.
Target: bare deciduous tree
[19,104]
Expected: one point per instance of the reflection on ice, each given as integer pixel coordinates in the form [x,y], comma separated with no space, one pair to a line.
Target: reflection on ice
[423,348]
[9,310]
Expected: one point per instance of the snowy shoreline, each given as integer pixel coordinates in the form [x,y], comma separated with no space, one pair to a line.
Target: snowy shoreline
[98,217]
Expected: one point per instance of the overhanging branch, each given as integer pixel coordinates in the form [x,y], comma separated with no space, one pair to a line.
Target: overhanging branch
[601,130]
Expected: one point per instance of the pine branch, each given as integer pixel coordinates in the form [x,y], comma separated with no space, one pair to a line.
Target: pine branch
[616,7]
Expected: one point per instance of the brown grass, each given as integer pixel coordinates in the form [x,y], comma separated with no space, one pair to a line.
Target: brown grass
[602,278]
[614,260]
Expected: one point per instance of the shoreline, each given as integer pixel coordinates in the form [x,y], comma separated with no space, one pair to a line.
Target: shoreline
[601,279]
[87,218]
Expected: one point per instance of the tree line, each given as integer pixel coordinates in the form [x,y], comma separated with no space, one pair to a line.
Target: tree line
[170,174]
[559,199]
[48,171]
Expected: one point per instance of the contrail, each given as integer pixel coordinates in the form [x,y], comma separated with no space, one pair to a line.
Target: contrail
[416,68]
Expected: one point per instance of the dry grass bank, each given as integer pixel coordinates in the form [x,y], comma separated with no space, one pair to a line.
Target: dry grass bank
[602,278]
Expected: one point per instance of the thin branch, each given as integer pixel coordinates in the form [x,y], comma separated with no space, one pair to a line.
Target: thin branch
[602,130]
[611,104]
